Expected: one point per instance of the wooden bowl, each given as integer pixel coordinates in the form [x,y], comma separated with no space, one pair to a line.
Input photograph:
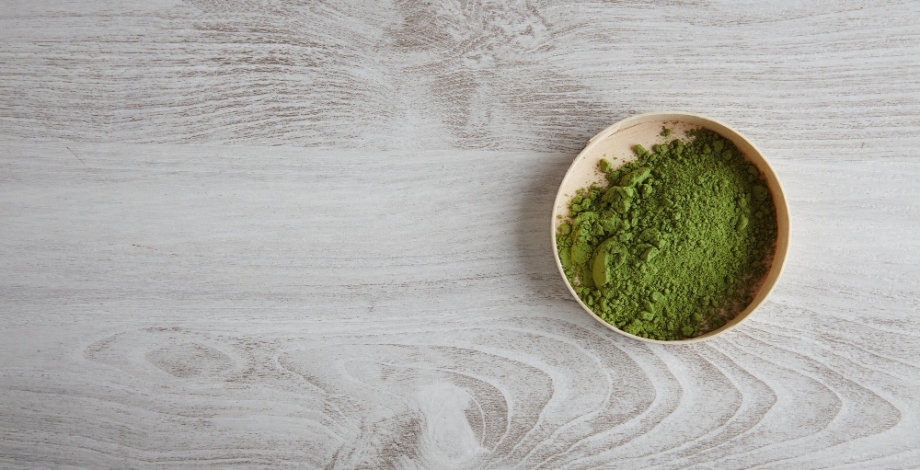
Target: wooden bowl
[615,144]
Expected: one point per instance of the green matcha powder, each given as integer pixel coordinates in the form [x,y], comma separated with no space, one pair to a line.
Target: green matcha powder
[677,244]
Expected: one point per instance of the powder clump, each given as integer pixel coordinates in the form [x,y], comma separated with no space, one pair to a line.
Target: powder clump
[676,243]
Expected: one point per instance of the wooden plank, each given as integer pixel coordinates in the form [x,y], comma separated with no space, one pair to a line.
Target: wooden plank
[174,306]
[413,75]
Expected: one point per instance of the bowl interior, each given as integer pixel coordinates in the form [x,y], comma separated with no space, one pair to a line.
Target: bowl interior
[615,144]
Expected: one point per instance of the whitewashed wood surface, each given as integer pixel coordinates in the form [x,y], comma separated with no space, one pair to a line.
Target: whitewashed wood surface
[314,234]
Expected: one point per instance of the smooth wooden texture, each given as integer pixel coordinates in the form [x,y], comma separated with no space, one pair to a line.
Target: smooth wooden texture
[313,234]
[615,144]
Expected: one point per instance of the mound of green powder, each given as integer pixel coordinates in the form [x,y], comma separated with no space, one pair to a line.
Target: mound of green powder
[677,243]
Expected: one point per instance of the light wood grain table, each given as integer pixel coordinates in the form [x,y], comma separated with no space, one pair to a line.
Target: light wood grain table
[315,234]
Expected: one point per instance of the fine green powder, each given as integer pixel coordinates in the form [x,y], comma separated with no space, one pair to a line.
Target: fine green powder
[677,244]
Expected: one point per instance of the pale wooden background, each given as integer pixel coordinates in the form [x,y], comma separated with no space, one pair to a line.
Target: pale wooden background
[314,234]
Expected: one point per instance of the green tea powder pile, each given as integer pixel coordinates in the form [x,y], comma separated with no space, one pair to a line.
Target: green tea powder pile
[677,243]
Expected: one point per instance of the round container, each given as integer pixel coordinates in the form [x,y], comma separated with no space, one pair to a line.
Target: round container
[615,143]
